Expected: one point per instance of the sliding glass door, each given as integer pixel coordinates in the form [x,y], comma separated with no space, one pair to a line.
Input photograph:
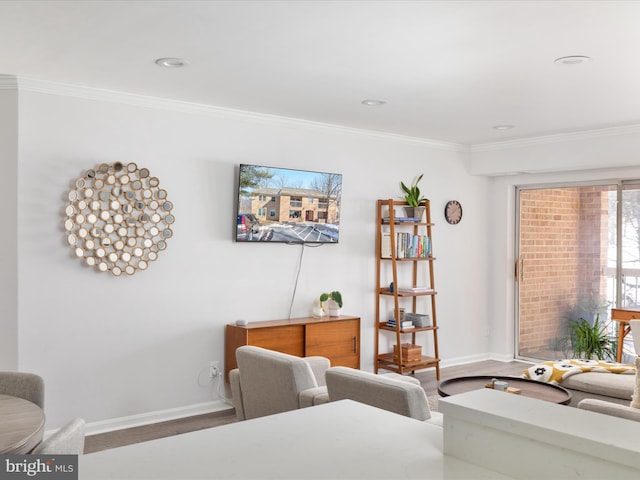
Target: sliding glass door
[568,261]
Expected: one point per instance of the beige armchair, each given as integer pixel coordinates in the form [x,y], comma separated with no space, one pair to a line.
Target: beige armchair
[268,382]
[392,392]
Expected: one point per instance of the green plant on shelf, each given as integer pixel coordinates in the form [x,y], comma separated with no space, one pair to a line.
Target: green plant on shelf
[413,197]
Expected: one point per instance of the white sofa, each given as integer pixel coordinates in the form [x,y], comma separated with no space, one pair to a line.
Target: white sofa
[611,387]
[630,411]
[600,386]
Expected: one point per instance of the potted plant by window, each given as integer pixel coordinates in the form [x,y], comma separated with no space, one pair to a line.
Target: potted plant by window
[586,337]
[590,340]
[332,301]
[414,198]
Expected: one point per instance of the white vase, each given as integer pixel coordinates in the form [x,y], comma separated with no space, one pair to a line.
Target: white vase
[318,311]
[332,307]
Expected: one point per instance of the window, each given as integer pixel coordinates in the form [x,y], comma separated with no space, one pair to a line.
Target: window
[294,214]
[273,199]
[262,198]
[262,212]
[295,202]
[272,213]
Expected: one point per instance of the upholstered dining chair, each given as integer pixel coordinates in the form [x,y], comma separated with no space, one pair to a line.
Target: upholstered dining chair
[28,386]
[69,440]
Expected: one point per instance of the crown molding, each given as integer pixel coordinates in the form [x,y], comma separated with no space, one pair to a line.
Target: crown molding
[556,138]
[8,82]
[132,99]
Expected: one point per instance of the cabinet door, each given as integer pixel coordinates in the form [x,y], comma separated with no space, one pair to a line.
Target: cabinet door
[288,339]
[338,341]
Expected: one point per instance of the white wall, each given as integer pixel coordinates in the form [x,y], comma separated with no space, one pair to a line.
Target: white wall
[114,347]
[9,237]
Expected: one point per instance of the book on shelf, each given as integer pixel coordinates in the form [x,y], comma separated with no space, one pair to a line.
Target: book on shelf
[385,245]
[412,246]
[415,289]
[407,245]
[401,220]
[405,325]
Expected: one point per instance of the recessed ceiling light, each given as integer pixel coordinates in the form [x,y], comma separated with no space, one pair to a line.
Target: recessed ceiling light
[172,62]
[503,127]
[573,60]
[372,102]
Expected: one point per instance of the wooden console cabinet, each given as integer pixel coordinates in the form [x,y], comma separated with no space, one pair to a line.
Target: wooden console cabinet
[337,338]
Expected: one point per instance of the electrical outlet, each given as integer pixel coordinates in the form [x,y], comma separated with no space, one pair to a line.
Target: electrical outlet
[214,368]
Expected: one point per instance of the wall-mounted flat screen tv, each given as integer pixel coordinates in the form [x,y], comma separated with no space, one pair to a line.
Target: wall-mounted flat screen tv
[288,206]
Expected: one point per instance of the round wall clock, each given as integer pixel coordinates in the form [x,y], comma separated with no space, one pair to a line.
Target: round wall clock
[453,212]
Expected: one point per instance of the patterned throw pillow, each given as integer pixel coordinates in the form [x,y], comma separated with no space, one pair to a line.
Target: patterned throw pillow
[635,398]
[557,371]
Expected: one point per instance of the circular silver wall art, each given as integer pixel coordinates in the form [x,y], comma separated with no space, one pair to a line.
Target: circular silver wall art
[117,218]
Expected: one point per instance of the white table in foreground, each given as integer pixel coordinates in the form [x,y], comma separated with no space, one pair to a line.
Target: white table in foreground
[341,439]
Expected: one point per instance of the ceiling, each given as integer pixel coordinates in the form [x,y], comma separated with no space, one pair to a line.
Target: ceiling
[448,70]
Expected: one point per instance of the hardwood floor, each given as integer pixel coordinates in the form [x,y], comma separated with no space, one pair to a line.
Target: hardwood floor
[128,436]
[103,441]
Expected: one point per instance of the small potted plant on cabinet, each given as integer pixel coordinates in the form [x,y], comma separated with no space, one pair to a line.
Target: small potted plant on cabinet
[414,198]
[332,301]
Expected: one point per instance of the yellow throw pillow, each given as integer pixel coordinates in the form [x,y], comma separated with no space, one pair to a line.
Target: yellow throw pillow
[635,398]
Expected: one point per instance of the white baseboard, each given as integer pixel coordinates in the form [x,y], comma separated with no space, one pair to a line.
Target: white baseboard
[499,357]
[452,362]
[157,416]
[505,358]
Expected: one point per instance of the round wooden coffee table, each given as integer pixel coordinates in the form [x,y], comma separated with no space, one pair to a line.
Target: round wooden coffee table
[528,388]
